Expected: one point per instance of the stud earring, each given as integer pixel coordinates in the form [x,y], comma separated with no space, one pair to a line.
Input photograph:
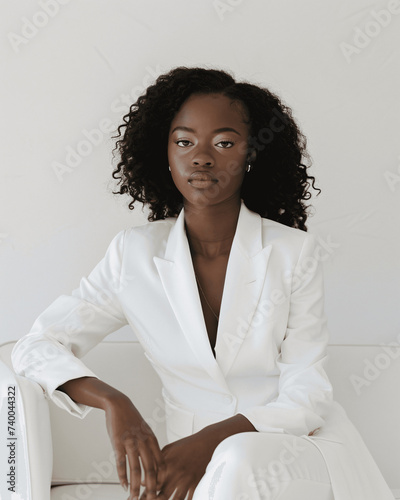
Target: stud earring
[248,168]
[169,168]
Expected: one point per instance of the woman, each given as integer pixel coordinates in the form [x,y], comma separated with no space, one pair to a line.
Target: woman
[223,288]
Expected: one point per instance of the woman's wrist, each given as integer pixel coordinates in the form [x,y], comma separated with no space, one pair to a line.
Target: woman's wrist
[92,391]
[114,398]
[221,430]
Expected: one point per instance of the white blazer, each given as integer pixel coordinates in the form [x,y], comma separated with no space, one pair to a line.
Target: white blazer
[271,339]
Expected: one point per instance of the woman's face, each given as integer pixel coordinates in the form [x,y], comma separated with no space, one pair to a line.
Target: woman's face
[207,149]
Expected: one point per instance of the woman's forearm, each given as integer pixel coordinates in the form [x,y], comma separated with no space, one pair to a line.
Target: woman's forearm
[215,433]
[91,391]
[131,437]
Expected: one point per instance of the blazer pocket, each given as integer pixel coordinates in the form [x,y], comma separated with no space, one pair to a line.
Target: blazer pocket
[179,420]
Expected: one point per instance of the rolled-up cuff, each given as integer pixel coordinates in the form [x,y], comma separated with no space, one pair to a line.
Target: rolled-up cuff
[51,370]
[62,400]
[73,370]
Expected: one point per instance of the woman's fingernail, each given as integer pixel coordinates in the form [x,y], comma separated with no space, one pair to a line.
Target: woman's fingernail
[125,486]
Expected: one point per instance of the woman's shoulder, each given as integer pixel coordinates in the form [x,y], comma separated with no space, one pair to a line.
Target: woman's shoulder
[277,229]
[286,239]
[156,230]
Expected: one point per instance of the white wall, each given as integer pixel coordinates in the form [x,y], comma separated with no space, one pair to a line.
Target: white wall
[74,72]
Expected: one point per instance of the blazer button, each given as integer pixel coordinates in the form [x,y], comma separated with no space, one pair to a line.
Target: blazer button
[228,399]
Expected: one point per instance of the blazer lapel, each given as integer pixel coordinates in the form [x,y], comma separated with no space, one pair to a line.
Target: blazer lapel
[177,276]
[244,280]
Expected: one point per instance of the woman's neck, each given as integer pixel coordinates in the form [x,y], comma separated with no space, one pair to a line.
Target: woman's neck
[210,229]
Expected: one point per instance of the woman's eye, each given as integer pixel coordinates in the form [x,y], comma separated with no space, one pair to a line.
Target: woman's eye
[226,144]
[184,141]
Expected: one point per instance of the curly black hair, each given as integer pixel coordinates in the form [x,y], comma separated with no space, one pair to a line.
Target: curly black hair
[278,183]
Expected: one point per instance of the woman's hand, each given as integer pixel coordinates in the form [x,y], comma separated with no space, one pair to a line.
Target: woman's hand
[186,461]
[130,435]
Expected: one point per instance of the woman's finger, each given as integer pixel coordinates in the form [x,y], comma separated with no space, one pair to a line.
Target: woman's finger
[120,462]
[158,456]
[131,449]
[180,494]
[150,472]
[161,468]
[166,493]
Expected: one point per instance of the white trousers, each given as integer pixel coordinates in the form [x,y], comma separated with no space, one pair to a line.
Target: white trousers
[265,466]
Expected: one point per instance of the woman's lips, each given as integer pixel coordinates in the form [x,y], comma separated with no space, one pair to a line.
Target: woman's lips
[202,179]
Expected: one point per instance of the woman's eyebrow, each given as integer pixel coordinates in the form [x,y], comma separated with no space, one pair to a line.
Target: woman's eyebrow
[223,129]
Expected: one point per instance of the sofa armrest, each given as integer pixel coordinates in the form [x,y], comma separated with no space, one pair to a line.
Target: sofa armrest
[30,453]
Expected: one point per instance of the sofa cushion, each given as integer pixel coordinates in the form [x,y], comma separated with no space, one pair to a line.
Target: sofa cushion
[92,491]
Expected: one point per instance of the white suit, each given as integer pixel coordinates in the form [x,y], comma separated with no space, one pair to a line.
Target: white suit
[270,348]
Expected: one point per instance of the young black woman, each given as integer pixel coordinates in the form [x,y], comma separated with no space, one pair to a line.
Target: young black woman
[223,287]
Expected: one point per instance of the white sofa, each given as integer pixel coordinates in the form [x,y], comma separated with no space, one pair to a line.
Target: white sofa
[55,448]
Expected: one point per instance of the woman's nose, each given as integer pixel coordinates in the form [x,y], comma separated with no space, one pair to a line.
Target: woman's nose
[202,158]
[198,162]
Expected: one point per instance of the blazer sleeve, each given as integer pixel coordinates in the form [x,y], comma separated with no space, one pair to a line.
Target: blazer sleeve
[71,326]
[305,392]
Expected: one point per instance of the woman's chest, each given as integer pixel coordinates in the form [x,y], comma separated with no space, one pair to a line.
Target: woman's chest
[210,279]
[170,316]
